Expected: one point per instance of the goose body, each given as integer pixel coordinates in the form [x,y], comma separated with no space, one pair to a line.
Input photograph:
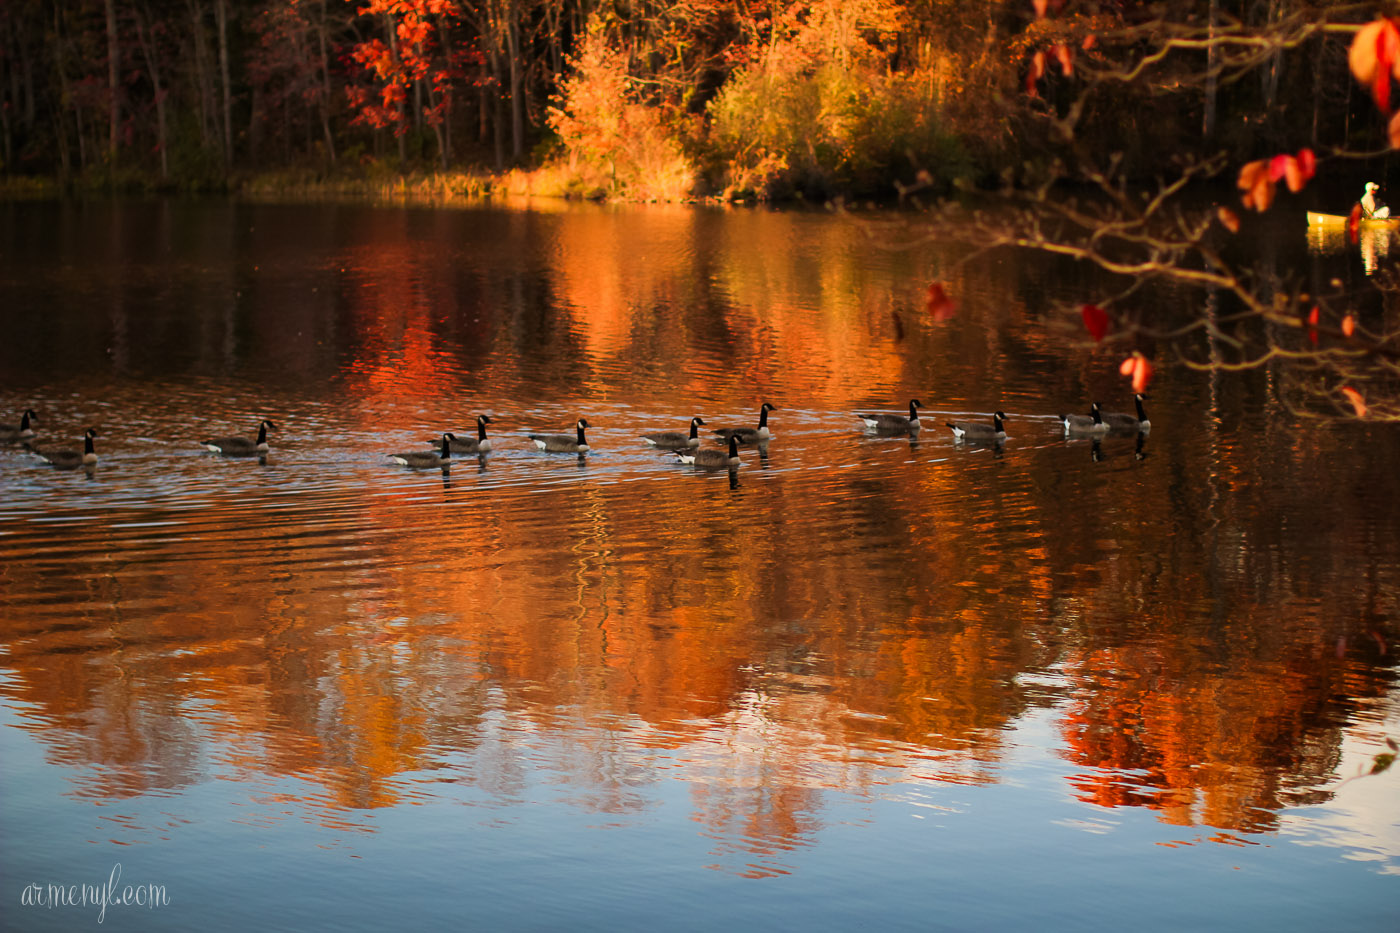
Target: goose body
[1085,425]
[750,435]
[1118,421]
[239,446]
[21,431]
[563,443]
[473,445]
[676,440]
[975,431]
[428,458]
[72,459]
[711,458]
[895,423]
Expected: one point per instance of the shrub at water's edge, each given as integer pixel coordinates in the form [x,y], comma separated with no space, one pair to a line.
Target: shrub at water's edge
[780,131]
[612,142]
[815,112]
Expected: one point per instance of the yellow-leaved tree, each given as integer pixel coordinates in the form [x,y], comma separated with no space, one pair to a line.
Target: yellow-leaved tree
[817,108]
[614,140]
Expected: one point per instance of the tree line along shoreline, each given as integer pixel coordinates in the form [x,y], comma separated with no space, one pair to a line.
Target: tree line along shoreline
[703,99]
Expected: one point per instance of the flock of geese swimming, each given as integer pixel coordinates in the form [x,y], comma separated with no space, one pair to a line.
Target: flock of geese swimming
[686,445]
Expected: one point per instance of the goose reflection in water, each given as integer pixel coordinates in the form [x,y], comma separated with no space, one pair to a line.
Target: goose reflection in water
[1098,455]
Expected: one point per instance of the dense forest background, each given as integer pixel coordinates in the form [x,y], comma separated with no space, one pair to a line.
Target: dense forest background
[662,98]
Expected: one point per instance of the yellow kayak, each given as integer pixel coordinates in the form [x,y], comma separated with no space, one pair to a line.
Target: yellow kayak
[1339,220]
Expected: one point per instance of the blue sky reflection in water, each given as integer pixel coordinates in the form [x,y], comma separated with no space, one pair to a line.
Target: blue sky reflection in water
[865,679]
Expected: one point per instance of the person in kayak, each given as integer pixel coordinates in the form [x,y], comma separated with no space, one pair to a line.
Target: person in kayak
[1372,207]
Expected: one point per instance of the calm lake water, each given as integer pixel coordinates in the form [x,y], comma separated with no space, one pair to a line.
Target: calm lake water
[859,680]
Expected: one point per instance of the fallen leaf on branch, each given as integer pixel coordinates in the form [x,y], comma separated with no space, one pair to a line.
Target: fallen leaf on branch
[1357,402]
[1293,175]
[1374,55]
[1294,170]
[1139,368]
[1308,161]
[1256,184]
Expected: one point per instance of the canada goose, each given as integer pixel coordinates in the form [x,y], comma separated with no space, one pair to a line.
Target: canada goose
[885,422]
[238,446]
[1117,421]
[428,458]
[973,431]
[563,443]
[21,431]
[710,458]
[71,459]
[750,435]
[673,440]
[473,445]
[1092,423]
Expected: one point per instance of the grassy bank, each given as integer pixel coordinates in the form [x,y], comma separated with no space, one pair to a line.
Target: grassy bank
[378,182]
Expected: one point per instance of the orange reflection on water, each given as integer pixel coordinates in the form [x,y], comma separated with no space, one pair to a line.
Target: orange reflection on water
[1228,745]
[829,625]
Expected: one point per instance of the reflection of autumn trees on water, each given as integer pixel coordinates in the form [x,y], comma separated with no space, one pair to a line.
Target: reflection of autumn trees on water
[600,630]
[515,643]
[1227,749]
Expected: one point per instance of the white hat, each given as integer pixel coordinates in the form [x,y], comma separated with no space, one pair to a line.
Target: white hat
[1372,186]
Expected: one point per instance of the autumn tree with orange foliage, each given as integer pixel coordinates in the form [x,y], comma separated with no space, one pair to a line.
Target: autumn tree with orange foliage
[411,60]
[614,139]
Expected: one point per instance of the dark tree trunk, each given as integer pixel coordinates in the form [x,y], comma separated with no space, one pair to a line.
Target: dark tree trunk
[114,105]
[321,28]
[517,102]
[205,94]
[221,16]
[151,54]
[399,133]
[60,112]
[445,137]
